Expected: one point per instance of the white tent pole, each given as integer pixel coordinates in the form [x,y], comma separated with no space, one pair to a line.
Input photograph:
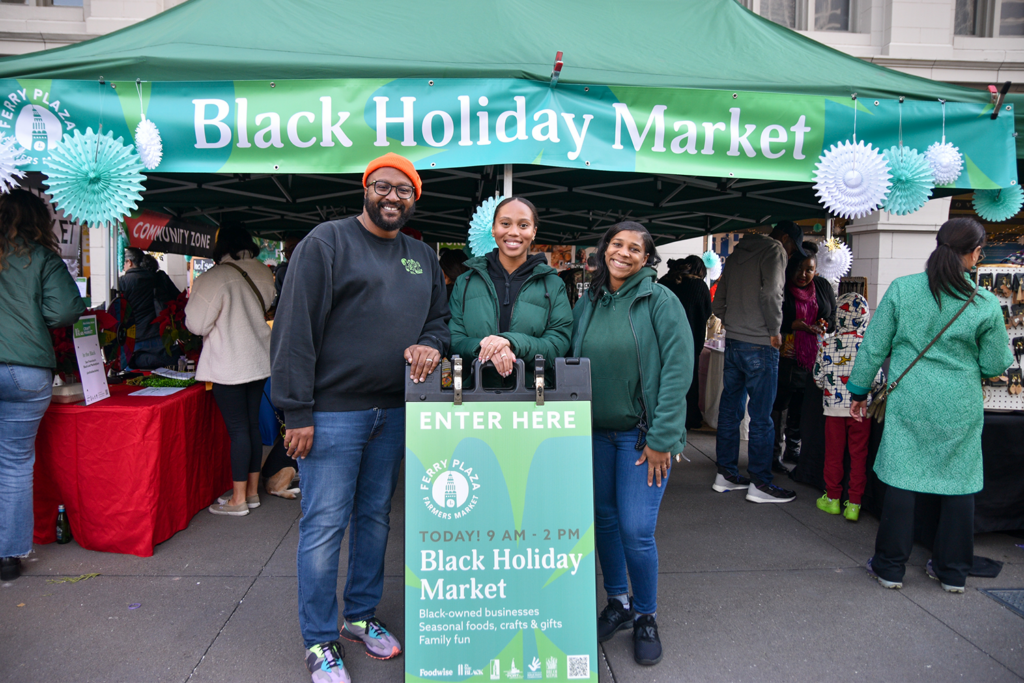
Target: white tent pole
[508,180]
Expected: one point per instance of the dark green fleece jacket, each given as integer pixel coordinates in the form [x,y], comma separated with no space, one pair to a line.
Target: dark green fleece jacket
[37,294]
[663,356]
[541,316]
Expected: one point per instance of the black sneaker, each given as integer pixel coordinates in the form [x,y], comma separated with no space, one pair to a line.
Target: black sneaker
[646,644]
[778,467]
[729,482]
[769,493]
[613,619]
[10,568]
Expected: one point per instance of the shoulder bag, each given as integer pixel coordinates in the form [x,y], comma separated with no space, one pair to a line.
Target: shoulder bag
[255,290]
[877,407]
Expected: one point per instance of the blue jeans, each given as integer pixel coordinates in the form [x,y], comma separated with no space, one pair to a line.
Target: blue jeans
[625,516]
[350,474]
[750,370]
[24,396]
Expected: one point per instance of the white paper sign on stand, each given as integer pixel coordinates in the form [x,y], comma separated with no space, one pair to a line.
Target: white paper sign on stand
[90,360]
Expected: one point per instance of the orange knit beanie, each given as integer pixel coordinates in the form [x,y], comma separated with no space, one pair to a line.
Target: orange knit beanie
[392,160]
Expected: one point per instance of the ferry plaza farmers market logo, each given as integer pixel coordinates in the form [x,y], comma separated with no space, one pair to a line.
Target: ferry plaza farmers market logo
[37,123]
[450,490]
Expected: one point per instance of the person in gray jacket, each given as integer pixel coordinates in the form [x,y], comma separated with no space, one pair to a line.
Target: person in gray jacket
[749,303]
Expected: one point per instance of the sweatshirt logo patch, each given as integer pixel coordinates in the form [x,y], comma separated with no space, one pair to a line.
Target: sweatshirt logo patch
[412,266]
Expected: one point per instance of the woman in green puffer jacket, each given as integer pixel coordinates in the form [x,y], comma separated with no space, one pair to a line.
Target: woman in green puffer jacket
[36,295]
[638,340]
[509,304]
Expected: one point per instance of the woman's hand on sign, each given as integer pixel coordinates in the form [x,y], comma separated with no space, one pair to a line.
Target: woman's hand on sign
[498,350]
[298,442]
[859,410]
[423,360]
[658,464]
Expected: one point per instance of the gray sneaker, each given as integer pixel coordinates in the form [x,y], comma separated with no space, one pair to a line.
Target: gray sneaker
[325,664]
[372,633]
[252,502]
[730,482]
[930,571]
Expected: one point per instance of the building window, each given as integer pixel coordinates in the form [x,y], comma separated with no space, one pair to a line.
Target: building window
[782,12]
[832,15]
[1011,18]
[965,18]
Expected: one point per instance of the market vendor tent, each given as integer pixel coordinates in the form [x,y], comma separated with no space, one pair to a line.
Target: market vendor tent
[672,44]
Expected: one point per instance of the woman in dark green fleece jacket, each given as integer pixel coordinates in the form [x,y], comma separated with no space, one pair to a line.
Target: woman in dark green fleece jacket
[636,335]
[36,294]
[509,304]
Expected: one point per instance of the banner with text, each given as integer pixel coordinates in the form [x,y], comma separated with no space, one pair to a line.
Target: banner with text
[338,126]
[499,550]
[152,231]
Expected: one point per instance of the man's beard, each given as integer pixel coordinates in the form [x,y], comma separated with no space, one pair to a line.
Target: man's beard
[374,212]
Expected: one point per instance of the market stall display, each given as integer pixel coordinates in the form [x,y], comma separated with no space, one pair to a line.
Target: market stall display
[131,471]
[1004,393]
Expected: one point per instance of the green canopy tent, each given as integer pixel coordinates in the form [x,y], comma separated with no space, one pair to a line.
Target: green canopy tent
[687,51]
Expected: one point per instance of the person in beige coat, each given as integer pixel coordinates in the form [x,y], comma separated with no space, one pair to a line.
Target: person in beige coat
[228,307]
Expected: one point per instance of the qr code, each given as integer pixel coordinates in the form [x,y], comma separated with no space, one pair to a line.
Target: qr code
[579,666]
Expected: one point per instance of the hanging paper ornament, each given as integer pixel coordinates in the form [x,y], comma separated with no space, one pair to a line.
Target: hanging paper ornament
[94,179]
[997,206]
[713,263]
[912,180]
[835,260]
[11,157]
[946,162]
[852,179]
[148,143]
[122,244]
[481,241]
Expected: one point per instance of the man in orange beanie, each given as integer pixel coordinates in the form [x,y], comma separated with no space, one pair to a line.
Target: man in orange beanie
[341,384]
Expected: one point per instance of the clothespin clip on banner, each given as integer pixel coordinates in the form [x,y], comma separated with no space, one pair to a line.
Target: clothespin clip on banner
[556,71]
[538,377]
[457,379]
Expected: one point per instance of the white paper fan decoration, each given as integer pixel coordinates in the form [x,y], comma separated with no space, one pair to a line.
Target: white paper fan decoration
[148,143]
[713,263]
[852,179]
[834,261]
[11,157]
[946,161]
[481,240]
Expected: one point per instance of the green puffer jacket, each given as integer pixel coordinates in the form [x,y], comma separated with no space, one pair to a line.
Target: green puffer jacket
[36,293]
[541,315]
[664,347]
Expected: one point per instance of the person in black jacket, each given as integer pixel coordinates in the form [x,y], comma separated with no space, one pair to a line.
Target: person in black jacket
[164,290]
[140,286]
[808,311]
[685,279]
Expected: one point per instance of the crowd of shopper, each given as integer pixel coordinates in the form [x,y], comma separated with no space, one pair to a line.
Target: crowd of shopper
[339,386]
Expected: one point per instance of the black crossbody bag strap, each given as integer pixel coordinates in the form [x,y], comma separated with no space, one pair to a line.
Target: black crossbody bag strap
[256,291]
[941,332]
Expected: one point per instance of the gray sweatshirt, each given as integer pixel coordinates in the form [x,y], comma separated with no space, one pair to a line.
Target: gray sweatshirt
[749,296]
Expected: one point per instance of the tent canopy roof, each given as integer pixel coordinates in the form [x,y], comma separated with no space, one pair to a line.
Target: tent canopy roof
[712,44]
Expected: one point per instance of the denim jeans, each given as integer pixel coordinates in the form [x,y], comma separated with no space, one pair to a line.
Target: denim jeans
[625,516]
[24,396]
[750,370]
[350,474]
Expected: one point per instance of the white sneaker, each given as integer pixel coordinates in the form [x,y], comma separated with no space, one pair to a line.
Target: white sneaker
[725,483]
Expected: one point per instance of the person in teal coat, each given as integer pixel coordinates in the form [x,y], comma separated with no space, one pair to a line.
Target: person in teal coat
[37,294]
[510,304]
[638,340]
[934,417]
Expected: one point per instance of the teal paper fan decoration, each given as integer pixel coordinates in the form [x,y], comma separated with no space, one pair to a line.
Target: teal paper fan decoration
[713,263]
[997,206]
[481,241]
[94,179]
[912,181]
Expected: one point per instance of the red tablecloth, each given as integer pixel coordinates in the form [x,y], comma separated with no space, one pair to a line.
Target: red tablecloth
[131,472]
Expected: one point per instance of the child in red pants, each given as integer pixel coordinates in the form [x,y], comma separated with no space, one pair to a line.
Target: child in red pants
[831,372]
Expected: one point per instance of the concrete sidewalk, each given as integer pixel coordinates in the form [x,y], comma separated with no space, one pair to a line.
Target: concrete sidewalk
[747,593]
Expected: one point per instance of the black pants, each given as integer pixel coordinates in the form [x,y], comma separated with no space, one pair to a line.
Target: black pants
[953,552]
[694,418]
[240,406]
[789,398]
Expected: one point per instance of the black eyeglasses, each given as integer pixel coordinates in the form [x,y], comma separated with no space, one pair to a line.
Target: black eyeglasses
[403,191]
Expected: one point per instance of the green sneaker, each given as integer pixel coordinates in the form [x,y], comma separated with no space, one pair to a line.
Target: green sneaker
[829,505]
[851,511]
